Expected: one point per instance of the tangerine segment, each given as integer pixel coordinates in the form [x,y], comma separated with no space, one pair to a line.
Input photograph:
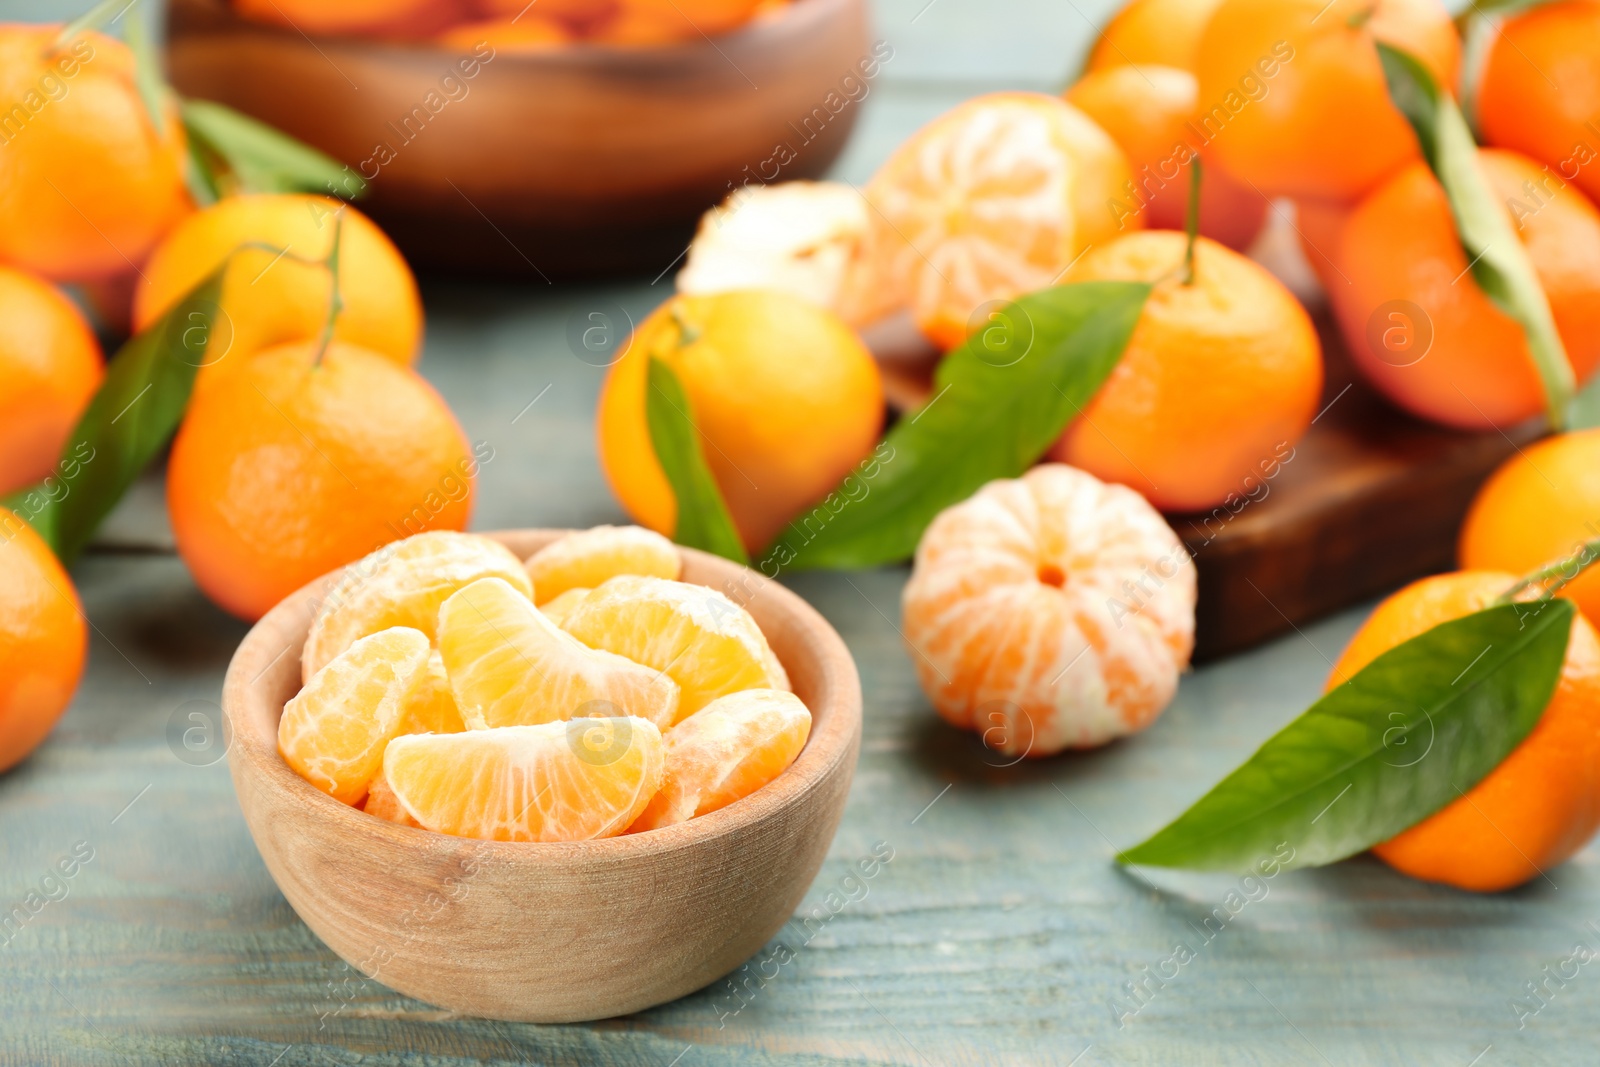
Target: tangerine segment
[1051,611]
[383,804]
[989,201]
[509,665]
[334,730]
[558,609]
[1543,802]
[732,747]
[588,557]
[556,781]
[696,636]
[403,584]
[431,708]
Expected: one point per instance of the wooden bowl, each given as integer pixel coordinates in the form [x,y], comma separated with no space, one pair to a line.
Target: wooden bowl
[584,160]
[532,932]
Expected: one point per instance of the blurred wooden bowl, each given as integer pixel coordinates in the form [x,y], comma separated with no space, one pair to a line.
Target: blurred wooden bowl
[580,161]
[535,932]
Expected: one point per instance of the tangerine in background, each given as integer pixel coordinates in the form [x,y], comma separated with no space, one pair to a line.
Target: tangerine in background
[43,640]
[786,398]
[1537,509]
[993,199]
[1540,92]
[49,369]
[1219,380]
[1147,110]
[347,16]
[287,468]
[87,182]
[1542,803]
[1161,32]
[1050,611]
[271,299]
[1296,96]
[1470,365]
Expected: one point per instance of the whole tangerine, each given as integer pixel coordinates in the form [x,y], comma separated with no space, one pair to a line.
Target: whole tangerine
[43,640]
[290,466]
[88,183]
[786,399]
[1218,381]
[1050,611]
[1538,508]
[1147,110]
[1425,333]
[1293,96]
[1537,807]
[1540,92]
[271,295]
[1161,32]
[49,369]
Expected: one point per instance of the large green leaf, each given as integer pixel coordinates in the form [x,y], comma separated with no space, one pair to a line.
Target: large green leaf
[134,412]
[703,520]
[258,158]
[1494,252]
[1414,729]
[998,403]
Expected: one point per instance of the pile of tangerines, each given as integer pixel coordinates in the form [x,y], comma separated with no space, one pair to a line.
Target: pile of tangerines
[309,441]
[515,25]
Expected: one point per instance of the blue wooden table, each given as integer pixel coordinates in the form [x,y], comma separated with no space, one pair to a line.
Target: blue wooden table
[999,932]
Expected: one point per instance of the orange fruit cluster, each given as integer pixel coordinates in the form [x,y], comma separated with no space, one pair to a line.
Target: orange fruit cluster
[438,694]
[516,25]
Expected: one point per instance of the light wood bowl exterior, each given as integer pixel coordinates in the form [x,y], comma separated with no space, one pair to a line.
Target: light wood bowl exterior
[585,160]
[550,933]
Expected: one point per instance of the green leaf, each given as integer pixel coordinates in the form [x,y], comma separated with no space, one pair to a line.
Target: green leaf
[703,520]
[134,412]
[999,401]
[1408,733]
[147,76]
[259,158]
[1495,254]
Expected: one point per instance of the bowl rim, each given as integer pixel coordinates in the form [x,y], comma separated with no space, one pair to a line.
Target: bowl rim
[755,32]
[836,728]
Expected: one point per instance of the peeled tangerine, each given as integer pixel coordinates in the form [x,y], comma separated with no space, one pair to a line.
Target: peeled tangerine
[403,584]
[1050,611]
[584,559]
[703,641]
[805,238]
[729,749]
[509,665]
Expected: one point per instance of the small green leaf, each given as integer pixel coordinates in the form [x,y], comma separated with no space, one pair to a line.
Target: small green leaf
[147,74]
[134,412]
[999,401]
[1494,252]
[1407,734]
[703,520]
[259,158]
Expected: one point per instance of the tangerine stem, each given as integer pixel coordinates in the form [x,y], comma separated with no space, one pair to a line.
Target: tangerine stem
[1362,17]
[1191,222]
[1577,562]
[335,299]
